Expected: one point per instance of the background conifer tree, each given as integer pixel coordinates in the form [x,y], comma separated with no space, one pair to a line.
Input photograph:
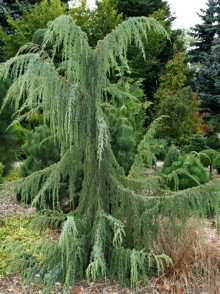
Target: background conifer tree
[207,80]
[205,52]
[207,31]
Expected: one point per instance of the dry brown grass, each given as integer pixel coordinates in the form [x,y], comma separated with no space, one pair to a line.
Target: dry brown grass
[195,252]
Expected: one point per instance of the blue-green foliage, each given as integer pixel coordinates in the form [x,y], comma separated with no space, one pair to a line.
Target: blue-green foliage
[186,172]
[126,113]
[205,51]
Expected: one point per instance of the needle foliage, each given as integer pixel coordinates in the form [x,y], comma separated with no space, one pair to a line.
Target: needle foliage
[109,231]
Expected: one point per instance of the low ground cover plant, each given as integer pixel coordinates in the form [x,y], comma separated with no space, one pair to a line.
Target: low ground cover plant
[16,240]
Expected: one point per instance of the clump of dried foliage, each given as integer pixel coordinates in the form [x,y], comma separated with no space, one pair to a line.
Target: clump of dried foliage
[195,251]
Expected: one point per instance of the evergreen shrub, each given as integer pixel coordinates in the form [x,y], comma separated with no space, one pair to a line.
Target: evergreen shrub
[8,139]
[11,138]
[197,143]
[186,172]
[172,155]
[122,139]
[213,141]
[40,151]
[38,36]
[207,158]
[216,164]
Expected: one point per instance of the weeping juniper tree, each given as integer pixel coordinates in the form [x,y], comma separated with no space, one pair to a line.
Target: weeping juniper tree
[109,231]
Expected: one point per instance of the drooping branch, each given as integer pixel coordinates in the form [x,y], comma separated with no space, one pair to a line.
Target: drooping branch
[112,49]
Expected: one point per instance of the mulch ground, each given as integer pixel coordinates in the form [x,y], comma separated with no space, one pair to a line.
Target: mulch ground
[12,284]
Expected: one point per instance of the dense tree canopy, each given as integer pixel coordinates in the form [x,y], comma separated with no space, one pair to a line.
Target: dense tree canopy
[33,17]
[141,7]
[159,50]
[103,20]
[13,10]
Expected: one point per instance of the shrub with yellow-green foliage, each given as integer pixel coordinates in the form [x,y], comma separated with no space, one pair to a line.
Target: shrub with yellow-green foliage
[14,174]
[15,233]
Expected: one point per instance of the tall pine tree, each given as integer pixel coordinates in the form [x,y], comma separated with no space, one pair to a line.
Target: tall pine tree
[206,32]
[205,52]
[208,80]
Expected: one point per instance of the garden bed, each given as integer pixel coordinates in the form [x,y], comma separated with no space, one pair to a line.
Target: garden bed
[11,283]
